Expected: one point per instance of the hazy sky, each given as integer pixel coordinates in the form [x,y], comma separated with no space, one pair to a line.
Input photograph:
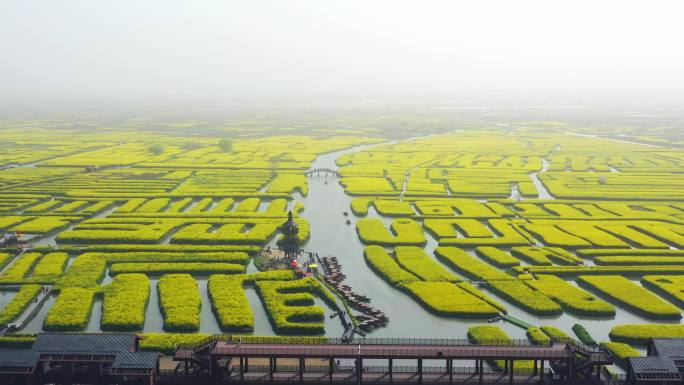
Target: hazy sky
[142,51]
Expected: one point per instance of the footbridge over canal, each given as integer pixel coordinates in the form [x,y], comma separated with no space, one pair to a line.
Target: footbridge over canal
[223,359]
[323,170]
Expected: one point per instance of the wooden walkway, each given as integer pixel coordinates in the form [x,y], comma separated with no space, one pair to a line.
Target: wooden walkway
[229,358]
[462,352]
[347,377]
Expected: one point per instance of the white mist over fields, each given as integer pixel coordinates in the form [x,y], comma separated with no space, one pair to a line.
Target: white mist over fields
[147,52]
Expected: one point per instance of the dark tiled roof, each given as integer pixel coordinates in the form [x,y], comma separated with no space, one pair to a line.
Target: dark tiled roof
[84,343]
[137,360]
[652,364]
[18,358]
[118,345]
[669,347]
[654,368]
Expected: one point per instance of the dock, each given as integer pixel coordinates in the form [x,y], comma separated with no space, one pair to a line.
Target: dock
[370,317]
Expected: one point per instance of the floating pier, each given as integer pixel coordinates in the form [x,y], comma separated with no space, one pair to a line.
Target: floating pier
[371,318]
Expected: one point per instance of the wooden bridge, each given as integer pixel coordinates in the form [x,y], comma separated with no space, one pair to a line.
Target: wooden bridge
[226,359]
[318,171]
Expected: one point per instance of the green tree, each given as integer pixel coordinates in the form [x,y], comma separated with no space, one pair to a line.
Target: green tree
[156,149]
[226,145]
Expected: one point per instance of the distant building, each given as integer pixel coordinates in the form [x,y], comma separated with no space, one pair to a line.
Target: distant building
[78,358]
[664,363]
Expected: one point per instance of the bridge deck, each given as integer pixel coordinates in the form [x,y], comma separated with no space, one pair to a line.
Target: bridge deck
[321,170]
[231,349]
[397,378]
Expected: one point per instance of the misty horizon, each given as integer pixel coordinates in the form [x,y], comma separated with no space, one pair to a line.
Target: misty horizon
[302,53]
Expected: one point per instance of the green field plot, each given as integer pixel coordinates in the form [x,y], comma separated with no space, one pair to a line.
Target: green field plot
[422,265]
[631,295]
[88,269]
[554,332]
[224,181]
[620,351]
[401,232]
[360,206]
[10,220]
[119,231]
[537,336]
[288,183]
[6,258]
[368,186]
[552,235]
[19,303]
[594,253]
[124,302]
[447,299]
[43,225]
[631,260]
[643,333]
[20,268]
[225,234]
[608,234]
[497,257]
[524,296]
[49,268]
[393,208]
[470,266]
[180,302]
[625,186]
[155,268]
[573,271]
[667,286]
[290,306]
[386,266]
[230,304]
[545,256]
[570,297]
[463,208]
[494,232]
[457,228]
[71,312]
[181,230]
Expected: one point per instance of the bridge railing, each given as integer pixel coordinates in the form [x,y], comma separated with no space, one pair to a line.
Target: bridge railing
[396,369]
[442,342]
[382,341]
[249,340]
[377,351]
[579,345]
[319,170]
